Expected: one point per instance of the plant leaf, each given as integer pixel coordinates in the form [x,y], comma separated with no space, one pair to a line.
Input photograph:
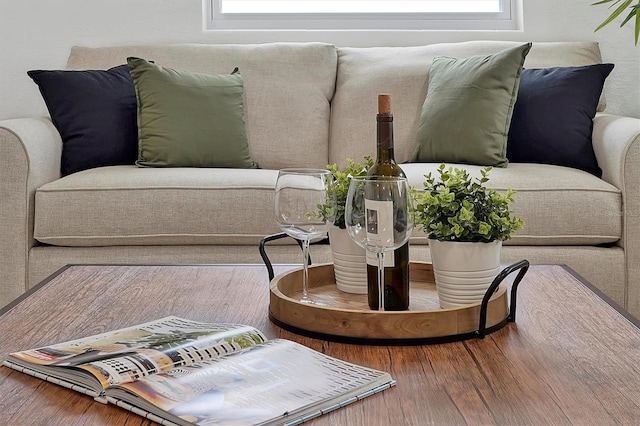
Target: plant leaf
[614,14]
[604,1]
[637,23]
[631,14]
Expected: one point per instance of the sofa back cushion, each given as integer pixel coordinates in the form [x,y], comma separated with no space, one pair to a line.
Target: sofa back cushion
[403,72]
[288,88]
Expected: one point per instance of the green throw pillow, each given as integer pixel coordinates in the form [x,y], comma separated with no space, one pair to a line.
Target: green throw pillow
[187,119]
[467,112]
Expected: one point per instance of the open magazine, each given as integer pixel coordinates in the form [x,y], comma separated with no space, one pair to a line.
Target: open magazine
[178,371]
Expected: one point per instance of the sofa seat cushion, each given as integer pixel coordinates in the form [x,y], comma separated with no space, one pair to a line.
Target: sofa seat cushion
[127,205]
[559,205]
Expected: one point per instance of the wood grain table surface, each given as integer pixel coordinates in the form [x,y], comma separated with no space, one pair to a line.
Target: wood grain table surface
[570,357]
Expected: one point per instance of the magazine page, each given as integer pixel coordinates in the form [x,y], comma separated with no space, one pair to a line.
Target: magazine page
[277,382]
[130,353]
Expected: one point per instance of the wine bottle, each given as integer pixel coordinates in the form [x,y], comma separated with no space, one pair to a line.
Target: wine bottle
[396,271]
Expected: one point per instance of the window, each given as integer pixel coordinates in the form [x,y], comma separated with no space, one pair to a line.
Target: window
[362,14]
[358,6]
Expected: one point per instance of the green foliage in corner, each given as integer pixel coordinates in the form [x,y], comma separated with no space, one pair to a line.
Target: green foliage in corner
[455,208]
[622,6]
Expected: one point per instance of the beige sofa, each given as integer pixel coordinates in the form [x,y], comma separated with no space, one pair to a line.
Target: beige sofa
[307,104]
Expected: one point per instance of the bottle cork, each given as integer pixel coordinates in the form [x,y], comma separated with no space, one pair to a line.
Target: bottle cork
[384,104]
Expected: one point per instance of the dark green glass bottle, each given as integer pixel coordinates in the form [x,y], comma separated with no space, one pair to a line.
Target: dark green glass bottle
[396,271]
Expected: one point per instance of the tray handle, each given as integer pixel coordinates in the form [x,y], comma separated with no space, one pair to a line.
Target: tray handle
[522,266]
[263,251]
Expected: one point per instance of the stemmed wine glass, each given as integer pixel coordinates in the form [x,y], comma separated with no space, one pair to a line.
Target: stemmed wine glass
[305,208]
[379,217]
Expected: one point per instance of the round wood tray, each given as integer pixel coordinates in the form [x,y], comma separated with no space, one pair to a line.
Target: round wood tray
[347,317]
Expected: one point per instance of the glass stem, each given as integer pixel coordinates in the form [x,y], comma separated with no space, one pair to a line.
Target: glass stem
[381,281]
[305,269]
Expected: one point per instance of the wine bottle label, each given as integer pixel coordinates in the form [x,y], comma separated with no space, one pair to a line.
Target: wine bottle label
[379,216]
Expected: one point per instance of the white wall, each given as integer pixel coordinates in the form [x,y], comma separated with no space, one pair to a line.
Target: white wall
[37,34]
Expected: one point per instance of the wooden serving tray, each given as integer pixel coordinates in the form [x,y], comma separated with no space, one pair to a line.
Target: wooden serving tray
[347,317]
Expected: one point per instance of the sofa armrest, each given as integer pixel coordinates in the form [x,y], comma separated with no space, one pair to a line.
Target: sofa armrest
[616,142]
[30,151]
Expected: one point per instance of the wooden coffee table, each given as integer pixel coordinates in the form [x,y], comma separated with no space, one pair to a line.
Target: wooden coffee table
[570,358]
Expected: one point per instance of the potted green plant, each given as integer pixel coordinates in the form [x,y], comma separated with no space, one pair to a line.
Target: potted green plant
[622,6]
[342,179]
[466,223]
[349,260]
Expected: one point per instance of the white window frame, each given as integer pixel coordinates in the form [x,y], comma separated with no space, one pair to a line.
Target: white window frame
[506,19]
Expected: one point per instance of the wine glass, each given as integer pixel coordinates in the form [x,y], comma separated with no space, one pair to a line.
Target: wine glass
[379,217]
[305,208]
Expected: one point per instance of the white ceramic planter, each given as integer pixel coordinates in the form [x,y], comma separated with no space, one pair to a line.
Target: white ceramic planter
[349,262]
[464,271]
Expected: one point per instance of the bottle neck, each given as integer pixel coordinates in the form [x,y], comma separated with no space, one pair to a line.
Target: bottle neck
[385,138]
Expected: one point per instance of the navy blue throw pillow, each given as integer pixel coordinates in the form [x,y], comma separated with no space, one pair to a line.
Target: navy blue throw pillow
[552,119]
[95,114]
